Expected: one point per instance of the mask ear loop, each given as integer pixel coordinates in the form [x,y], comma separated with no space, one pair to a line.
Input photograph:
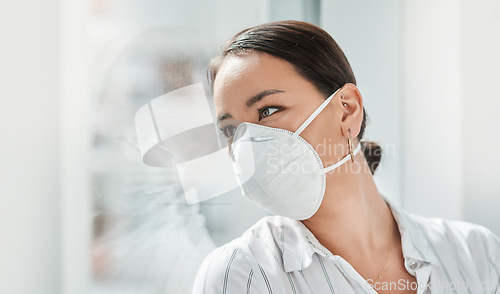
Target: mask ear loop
[314,115]
[342,161]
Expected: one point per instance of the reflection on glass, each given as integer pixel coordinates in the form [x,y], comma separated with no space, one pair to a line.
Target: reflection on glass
[146,238]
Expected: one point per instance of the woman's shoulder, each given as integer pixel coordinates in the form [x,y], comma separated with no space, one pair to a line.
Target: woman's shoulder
[232,265]
[464,242]
[442,230]
[268,228]
[439,230]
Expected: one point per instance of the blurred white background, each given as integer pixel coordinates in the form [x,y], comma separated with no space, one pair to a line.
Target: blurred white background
[81,214]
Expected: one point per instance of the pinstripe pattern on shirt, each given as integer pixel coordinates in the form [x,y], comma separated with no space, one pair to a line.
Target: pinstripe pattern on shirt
[289,259]
[224,289]
[249,282]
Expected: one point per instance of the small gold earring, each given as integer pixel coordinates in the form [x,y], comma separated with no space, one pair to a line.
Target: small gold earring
[350,146]
[344,104]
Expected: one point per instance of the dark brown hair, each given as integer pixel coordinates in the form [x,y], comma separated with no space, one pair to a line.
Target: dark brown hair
[313,53]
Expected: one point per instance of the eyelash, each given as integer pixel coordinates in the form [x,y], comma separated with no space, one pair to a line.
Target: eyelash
[227,131]
[279,108]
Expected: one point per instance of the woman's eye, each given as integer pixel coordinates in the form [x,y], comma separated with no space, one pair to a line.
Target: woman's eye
[228,131]
[267,111]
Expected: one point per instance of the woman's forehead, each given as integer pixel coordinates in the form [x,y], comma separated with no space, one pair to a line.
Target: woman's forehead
[240,77]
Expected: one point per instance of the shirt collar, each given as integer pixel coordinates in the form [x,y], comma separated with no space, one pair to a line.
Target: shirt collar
[301,244]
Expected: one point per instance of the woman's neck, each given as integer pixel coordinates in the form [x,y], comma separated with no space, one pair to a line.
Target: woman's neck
[353,220]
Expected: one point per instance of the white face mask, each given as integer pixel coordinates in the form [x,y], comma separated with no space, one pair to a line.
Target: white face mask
[280,170]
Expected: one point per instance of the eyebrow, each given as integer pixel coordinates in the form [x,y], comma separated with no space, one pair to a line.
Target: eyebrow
[251,102]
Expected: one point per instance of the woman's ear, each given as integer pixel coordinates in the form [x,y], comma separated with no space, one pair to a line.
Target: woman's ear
[351,104]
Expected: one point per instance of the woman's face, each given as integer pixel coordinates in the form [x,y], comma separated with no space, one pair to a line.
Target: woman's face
[262,89]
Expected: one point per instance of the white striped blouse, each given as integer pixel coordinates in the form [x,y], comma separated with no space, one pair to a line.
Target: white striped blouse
[280,255]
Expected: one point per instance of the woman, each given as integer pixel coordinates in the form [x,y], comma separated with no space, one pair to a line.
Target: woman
[287,100]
